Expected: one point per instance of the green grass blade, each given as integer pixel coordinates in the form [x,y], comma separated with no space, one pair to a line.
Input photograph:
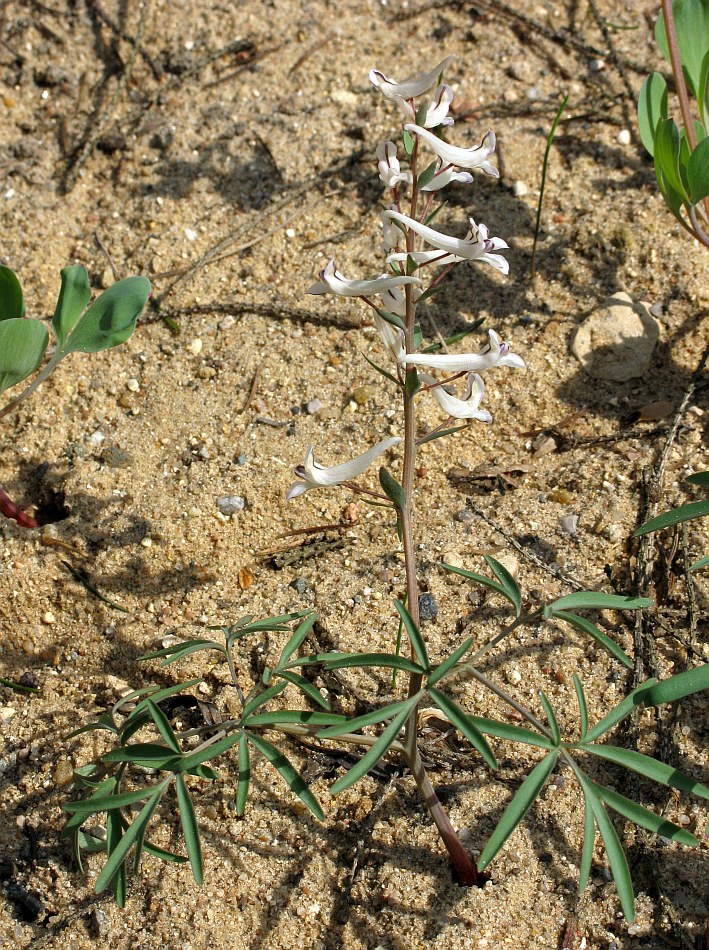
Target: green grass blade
[375,753]
[545,163]
[447,665]
[585,626]
[702,562]
[118,854]
[551,719]
[292,777]
[464,724]
[699,478]
[649,767]
[417,641]
[510,585]
[115,827]
[178,650]
[190,829]
[518,807]
[163,726]
[583,708]
[244,779]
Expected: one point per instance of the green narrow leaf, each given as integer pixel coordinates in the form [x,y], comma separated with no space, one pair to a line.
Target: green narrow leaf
[589,839]
[178,651]
[169,856]
[702,562]
[262,698]
[147,755]
[518,807]
[305,686]
[619,712]
[616,856]
[115,827]
[12,303]
[667,155]
[480,579]
[644,817]
[73,297]
[692,26]
[295,641]
[509,584]
[392,318]
[465,724]
[551,719]
[242,788]
[375,753]
[392,489]
[155,694]
[304,716]
[505,730]
[292,777]
[699,478]
[583,708]
[447,665]
[92,806]
[417,641]
[380,370]
[190,829]
[217,748]
[697,509]
[597,600]
[273,623]
[111,318]
[441,433]
[368,719]
[22,346]
[677,687]
[426,176]
[585,626]
[408,143]
[104,722]
[649,767]
[338,661]
[652,106]
[137,828]
[163,726]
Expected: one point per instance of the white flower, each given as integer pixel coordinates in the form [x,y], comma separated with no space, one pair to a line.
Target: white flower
[312,475]
[444,175]
[475,246]
[392,336]
[460,157]
[495,354]
[437,110]
[332,281]
[465,408]
[391,232]
[389,168]
[407,90]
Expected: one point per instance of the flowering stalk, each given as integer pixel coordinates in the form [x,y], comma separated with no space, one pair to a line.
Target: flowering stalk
[400,289]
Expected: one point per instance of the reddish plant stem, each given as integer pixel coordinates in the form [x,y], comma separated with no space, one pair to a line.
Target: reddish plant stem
[11,510]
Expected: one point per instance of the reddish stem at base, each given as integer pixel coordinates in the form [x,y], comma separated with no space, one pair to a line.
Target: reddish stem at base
[11,510]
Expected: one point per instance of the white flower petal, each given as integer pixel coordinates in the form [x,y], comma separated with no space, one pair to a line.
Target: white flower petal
[332,281]
[389,168]
[312,475]
[392,336]
[465,408]
[461,157]
[464,248]
[407,90]
[445,176]
[437,112]
[496,354]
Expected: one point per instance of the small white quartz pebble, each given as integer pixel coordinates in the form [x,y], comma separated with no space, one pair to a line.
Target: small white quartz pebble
[195,347]
[623,137]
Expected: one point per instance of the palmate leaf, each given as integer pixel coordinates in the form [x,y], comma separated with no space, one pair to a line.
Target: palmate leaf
[585,626]
[375,753]
[417,641]
[519,806]
[465,724]
[190,829]
[647,766]
[263,698]
[292,777]
[193,759]
[129,837]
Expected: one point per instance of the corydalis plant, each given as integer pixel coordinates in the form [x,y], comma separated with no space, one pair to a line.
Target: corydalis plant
[108,322]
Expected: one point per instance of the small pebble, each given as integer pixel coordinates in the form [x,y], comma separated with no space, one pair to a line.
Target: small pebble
[299,585]
[519,189]
[133,385]
[464,516]
[362,394]
[290,232]
[657,309]
[96,437]
[195,347]
[623,137]
[313,406]
[6,714]
[242,459]
[48,617]
[230,504]
[428,608]
[597,65]
[190,234]
[570,524]
[513,675]
[64,772]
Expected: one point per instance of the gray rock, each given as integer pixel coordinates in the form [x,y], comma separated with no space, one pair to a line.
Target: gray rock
[230,504]
[570,524]
[299,585]
[617,340]
[428,608]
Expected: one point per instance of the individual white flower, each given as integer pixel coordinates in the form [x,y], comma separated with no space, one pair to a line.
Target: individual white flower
[444,175]
[391,232]
[495,354]
[392,336]
[475,246]
[389,168]
[460,157]
[333,282]
[465,408]
[313,475]
[437,110]
[407,90]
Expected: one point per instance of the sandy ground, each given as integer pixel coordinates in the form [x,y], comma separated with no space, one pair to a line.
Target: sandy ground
[228,156]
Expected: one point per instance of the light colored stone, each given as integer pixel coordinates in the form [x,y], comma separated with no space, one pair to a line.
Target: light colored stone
[617,340]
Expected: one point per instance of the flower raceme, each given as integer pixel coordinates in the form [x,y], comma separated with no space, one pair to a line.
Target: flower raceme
[313,475]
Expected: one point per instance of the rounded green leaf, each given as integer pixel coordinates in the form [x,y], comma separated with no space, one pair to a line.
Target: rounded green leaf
[698,171]
[692,25]
[111,318]
[12,304]
[652,106]
[73,297]
[22,346]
